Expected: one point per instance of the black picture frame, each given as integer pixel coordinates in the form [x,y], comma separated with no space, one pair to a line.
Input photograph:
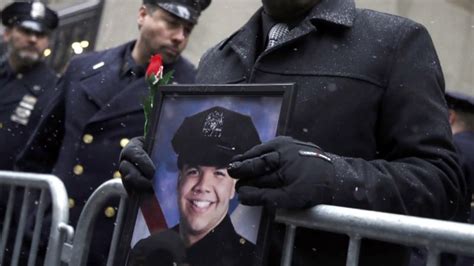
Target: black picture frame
[241,98]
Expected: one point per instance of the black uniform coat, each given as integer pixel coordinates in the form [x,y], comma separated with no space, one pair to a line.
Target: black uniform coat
[23,96]
[98,108]
[370,92]
[221,246]
[464,142]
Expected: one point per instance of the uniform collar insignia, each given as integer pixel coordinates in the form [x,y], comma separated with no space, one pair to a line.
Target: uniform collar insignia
[98,65]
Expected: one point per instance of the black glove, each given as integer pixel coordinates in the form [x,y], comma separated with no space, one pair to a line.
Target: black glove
[162,249]
[136,167]
[284,173]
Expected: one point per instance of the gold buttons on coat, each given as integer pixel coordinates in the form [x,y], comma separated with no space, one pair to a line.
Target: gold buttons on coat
[117,174]
[78,169]
[71,203]
[124,142]
[242,241]
[88,138]
[109,212]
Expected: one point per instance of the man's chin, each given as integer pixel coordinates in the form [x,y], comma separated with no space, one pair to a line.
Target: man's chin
[29,58]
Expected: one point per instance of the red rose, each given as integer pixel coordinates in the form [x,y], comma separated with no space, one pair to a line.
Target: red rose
[154,71]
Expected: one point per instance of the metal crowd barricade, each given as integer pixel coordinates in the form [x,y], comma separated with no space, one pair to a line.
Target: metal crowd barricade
[436,235]
[77,253]
[38,191]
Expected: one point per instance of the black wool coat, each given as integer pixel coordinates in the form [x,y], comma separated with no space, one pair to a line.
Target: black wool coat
[370,92]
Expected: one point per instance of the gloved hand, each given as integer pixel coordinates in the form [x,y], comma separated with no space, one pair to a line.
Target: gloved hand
[284,173]
[136,167]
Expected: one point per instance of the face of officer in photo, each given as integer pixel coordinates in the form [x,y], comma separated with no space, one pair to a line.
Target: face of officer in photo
[163,33]
[204,193]
[24,46]
[283,10]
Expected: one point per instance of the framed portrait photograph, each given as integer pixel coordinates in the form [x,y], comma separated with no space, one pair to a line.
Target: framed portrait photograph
[194,133]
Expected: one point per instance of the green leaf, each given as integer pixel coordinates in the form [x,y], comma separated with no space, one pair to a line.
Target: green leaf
[150,100]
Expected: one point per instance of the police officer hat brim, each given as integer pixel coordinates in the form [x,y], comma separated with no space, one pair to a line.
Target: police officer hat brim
[22,14]
[460,101]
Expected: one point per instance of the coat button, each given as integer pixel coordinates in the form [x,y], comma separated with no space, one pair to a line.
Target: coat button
[242,241]
[109,212]
[71,203]
[124,142]
[1,125]
[117,174]
[78,169]
[87,138]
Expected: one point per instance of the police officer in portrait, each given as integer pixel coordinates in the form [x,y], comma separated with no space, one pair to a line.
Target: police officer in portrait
[205,143]
[25,79]
[98,107]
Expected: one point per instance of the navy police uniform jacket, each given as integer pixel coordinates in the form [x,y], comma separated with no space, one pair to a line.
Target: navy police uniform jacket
[97,109]
[221,246]
[23,96]
[370,92]
[464,142]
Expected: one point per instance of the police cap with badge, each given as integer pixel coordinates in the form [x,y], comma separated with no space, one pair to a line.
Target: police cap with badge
[189,10]
[34,16]
[460,101]
[212,137]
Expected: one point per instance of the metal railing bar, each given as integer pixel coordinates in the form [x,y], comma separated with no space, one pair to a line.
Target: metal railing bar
[353,251]
[21,226]
[59,199]
[109,189]
[288,247]
[412,231]
[117,230]
[433,258]
[7,221]
[37,230]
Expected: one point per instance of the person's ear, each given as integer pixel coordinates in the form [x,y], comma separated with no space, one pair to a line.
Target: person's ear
[142,13]
[452,117]
[232,193]
[7,34]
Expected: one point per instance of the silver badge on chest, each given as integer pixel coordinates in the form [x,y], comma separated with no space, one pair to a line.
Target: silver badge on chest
[23,111]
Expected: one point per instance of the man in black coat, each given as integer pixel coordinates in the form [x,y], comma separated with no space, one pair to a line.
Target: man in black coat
[98,107]
[370,93]
[25,80]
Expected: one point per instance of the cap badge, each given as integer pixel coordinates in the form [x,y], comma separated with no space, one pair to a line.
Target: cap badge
[184,12]
[38,10]
[213,124]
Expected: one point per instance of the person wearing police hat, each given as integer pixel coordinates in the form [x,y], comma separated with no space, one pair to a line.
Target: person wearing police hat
[98,108]
[25,79]
[205,144]
[461,119]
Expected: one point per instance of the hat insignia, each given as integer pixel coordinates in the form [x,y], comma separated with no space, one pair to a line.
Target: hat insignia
[184,12]
[37,10]
[213,124]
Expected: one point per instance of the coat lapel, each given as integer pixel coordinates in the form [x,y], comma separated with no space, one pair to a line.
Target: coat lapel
[127,101]
[101,86]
